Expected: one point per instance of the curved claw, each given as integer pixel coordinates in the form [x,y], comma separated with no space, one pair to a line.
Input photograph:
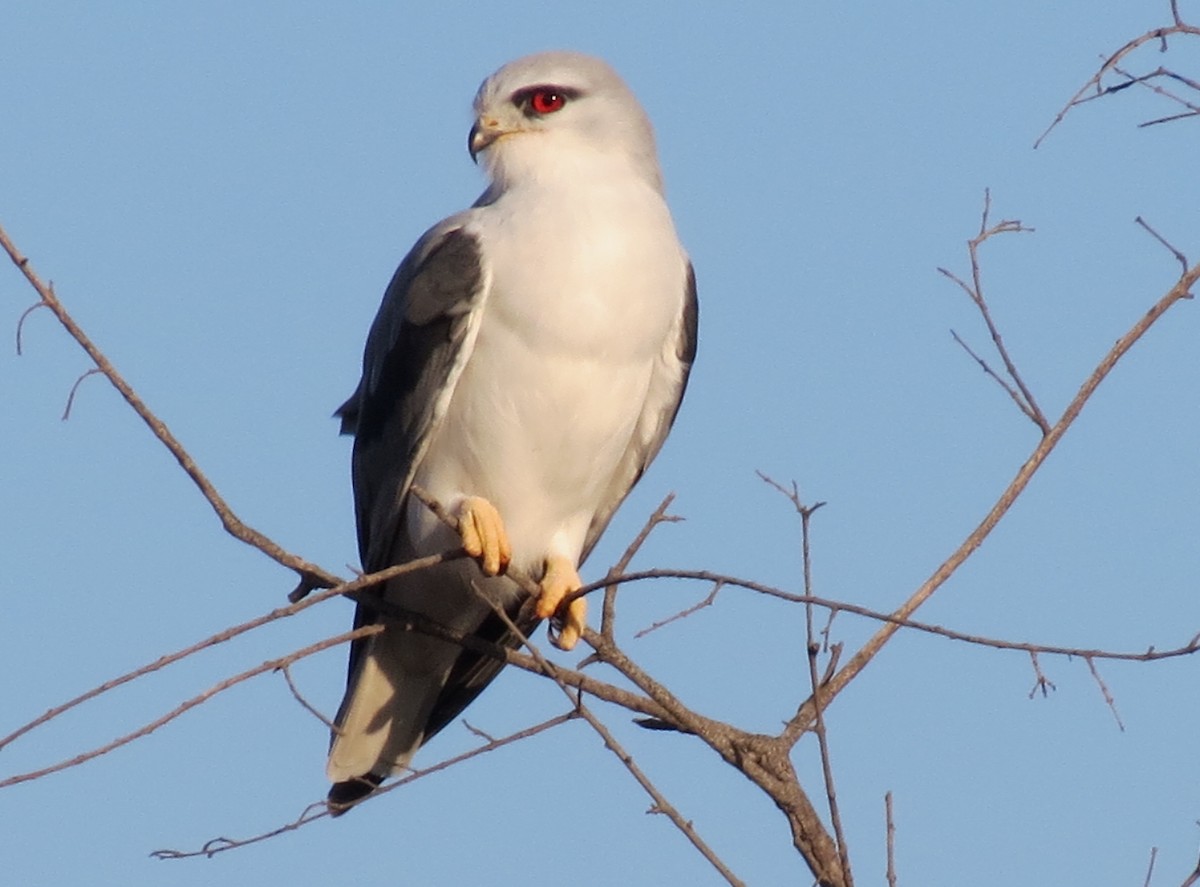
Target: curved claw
[559,580]
[483,535]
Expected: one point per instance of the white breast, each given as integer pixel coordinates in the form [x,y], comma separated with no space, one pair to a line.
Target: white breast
[583,289]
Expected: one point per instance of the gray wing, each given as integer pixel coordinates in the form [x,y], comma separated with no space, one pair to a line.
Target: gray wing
[658,415]
[415,352]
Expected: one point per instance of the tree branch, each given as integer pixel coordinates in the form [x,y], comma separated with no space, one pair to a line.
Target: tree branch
[1177,293]
[1093,85]
[310,574]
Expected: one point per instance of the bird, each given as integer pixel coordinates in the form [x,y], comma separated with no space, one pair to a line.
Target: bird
[527,361]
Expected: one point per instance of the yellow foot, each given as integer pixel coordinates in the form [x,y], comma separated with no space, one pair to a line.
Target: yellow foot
[559,580]
[483,535]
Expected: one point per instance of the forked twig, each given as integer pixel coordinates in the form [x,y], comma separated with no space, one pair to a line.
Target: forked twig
[1041,682]
[1021,394]
[608,614]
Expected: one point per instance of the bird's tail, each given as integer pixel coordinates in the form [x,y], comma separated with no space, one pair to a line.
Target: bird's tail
[382,719]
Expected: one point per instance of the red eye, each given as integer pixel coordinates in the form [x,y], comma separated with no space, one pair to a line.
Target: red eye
[546,101]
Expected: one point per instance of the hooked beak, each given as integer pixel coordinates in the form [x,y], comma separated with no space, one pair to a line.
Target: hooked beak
[485,131]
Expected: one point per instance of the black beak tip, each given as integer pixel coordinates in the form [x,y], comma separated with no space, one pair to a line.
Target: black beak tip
[472,136]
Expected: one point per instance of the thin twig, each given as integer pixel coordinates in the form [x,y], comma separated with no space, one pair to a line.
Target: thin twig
[407,621]
[1144,82]
[1012,392]
[74,388]
[1151,654]
[1041,682]
[1170,118]
[1005,226]
[1179,257]
[187,705]
[480,733]
[835,815]
[792,494]
[891,839]
[684,613]
[320,809]
[1108,698]
[21,321]
[304,703]
[349,589]
[1150,868]
[1024,399]
[608,614]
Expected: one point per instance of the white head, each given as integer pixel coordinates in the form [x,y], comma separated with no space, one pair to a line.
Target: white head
[560,112]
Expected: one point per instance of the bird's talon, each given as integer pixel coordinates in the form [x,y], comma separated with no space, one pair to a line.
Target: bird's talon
[559,580]
[573,625]
[483,536]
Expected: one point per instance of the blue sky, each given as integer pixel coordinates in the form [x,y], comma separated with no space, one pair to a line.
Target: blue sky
[220,192]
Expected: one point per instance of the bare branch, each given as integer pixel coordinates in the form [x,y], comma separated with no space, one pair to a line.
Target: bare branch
[320,809]
[310,574]
[1024,474]
[1093,85]
[349,589]
[1149,655]
[661,804]
[147,729]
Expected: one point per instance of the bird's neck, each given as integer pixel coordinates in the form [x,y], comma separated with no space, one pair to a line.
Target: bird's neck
[542,163]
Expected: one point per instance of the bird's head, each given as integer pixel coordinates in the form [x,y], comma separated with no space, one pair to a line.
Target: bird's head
[555,111]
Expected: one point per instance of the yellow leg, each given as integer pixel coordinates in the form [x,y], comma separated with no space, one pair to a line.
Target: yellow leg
[483,535]
[559,580]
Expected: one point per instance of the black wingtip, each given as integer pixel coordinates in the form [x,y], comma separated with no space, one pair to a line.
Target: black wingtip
[345,795]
